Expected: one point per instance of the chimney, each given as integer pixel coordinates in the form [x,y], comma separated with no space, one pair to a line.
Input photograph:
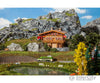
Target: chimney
[59,29]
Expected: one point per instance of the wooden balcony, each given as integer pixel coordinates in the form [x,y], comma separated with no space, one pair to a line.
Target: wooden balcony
[53,41]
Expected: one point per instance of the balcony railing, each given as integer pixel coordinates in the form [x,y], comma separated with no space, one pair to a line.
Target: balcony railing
[53,41]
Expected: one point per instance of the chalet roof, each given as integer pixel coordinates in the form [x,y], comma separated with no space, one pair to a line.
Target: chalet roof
[57,31]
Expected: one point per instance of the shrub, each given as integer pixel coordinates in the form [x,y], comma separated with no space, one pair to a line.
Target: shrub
[46,47]
[53,50]
[92,38]
[2,47]
[75,40]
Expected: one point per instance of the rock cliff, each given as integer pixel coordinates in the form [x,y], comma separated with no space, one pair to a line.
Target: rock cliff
[25,28]
[93,26]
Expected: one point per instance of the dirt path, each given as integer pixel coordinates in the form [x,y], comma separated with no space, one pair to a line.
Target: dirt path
[14,59]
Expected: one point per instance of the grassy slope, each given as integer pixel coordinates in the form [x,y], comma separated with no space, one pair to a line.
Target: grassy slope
[58,55]
[24,42]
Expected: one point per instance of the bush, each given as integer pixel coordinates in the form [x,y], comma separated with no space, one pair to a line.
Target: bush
[2,47]
[46,47]
[75,40]
[92,38]
[53,50]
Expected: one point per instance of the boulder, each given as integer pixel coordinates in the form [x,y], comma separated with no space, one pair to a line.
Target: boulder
[14,47]
[41,47]
[35,47]
[63,49]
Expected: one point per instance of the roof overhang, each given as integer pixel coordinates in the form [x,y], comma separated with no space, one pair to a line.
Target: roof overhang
[57,31]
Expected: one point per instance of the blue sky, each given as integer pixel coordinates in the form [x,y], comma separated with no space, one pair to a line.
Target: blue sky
[8,15]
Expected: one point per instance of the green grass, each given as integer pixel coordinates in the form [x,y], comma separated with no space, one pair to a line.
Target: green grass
[3,28]
[60,56]
[67,67]
[14,24]
[71,53]
[40,53]
[23,42]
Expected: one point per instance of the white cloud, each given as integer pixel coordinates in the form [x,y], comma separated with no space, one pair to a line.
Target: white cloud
[80,11]
[86,17]
[4,22]
[1,8]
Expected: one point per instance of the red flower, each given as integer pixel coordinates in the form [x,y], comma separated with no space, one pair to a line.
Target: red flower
[92,58]
[64,36]
[73,74]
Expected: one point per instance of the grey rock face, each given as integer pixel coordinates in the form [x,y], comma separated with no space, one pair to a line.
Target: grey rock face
[14,47]
[41,47]
[93,26]
[63,49]
[67,20]
[35,47]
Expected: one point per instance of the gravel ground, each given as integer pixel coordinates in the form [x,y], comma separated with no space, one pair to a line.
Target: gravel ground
[15,59]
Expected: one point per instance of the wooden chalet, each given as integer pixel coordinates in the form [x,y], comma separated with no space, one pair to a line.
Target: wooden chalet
[53,38]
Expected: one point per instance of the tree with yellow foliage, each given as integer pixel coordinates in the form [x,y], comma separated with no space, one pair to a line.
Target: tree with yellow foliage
[80,58]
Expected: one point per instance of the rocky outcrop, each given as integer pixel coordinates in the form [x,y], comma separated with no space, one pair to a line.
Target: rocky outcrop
[41,47]
[14,47]
[63,49]
[25,28]
[35,47]
[93,26]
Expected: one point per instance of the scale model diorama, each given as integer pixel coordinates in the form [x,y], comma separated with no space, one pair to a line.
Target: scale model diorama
[54,43]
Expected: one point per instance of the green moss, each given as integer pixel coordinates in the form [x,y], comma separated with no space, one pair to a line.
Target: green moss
[54,20]
[14,24]
[43,18]
[25,30]
[3,28]
[78,21]
[68,14]
[24,20]
[34,29]
[22,42]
